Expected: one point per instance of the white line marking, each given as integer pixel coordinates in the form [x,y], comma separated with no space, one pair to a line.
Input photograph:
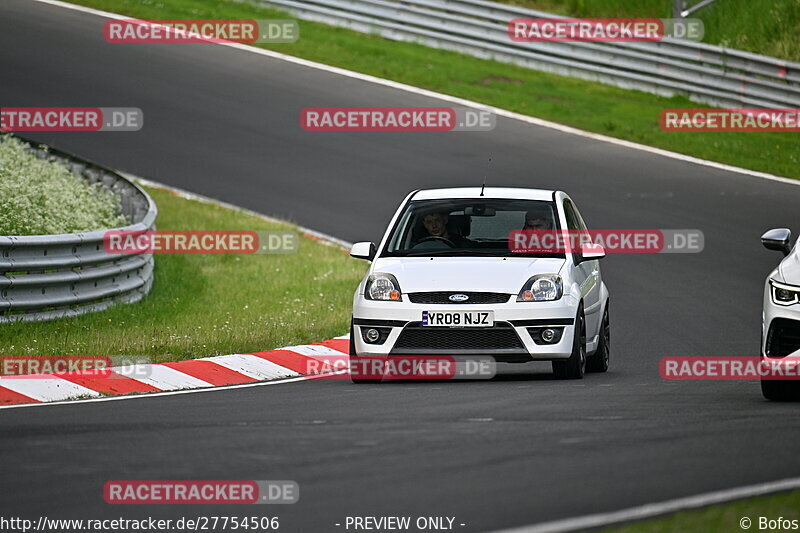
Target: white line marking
[656,509]
[46,389]
[252,366]
[166,378]
[168,393]
[463,102]
[181,193]
[314,350]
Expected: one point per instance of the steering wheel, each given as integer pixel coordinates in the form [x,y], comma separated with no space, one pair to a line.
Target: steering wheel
[445,240]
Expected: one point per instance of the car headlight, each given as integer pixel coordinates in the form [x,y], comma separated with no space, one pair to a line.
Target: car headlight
[783,294]
[383,287]
[541,288]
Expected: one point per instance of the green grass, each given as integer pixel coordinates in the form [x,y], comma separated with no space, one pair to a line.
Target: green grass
[42,197]
[768,27]
[630,115]
[203,305]
[721,518]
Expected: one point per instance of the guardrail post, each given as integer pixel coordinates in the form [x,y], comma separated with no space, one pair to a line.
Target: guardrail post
[678,6]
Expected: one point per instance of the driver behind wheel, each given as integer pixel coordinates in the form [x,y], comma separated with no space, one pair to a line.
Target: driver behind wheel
[436,225]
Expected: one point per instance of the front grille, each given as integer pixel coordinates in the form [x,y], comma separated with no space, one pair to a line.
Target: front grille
[416,338]
[443,297]
[783,337]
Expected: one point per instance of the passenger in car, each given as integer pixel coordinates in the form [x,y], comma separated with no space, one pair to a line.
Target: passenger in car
[538,220]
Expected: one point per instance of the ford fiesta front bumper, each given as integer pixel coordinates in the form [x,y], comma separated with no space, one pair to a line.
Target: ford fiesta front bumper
[515,337]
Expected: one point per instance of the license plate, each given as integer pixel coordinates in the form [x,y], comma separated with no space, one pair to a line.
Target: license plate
[458,319]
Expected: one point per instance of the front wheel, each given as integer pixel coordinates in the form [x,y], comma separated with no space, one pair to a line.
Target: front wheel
[599,361]
[780,390]
[575,366]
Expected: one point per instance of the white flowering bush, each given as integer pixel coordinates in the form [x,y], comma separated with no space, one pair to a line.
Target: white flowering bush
[42,197]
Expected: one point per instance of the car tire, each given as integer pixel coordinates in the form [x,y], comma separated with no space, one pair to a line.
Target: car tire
[575,366]
[354,359]
[780,390]
[600,360]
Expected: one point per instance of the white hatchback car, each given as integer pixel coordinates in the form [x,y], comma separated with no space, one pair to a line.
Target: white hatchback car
[445,281]
[780,321]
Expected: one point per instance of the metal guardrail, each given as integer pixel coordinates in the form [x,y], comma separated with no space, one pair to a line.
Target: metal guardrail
[705,73]
[50,276]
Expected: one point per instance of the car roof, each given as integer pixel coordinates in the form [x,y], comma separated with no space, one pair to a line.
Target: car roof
[512,193]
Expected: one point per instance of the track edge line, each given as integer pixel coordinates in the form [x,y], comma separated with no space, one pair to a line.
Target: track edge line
[656,509]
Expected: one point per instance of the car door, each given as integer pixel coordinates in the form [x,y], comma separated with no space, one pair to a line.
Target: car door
[587,273]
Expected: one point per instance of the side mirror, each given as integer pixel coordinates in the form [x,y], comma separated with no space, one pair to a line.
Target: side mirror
[363,250]
[592,251]
[778,239]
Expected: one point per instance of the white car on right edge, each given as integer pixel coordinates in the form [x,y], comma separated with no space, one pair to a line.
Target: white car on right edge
[780,321]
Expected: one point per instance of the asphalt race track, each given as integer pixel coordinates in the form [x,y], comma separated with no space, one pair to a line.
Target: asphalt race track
[513,451]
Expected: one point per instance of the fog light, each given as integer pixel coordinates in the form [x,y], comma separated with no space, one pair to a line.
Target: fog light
[548,335]
[372,335]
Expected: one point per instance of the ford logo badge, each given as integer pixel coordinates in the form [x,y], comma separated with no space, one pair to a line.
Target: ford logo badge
[458,298]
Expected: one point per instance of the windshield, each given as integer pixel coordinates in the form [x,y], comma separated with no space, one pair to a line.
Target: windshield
[468,227]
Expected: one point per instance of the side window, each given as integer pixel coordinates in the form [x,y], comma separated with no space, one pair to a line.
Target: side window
[569,213]
[579,219]
[575,223]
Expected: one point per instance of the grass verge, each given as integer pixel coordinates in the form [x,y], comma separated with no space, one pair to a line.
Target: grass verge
[203,305]
[723,518]
[630,115]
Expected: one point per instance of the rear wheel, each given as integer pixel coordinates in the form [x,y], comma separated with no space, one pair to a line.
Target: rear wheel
[599,361]
[354,362]
[575,366]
